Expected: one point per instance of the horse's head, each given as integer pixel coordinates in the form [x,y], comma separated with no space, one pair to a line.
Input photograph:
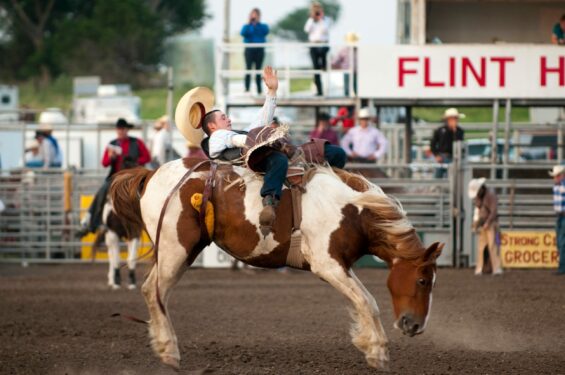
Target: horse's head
[410,283]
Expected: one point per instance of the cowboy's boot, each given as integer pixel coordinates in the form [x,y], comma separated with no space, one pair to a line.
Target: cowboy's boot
[267,216]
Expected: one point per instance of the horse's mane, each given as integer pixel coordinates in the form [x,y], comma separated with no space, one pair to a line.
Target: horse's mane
[398,236]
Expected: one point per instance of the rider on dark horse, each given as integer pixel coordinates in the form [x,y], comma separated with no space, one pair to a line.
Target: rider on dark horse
[225,144]
[121,153]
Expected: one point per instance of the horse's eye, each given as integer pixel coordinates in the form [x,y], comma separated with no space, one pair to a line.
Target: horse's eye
[422,282]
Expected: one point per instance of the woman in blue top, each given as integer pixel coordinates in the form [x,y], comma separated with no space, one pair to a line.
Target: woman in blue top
[254,32]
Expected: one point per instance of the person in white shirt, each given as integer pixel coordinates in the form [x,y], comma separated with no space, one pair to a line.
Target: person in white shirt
[318,29]
[364,143]
[161,142]
[48,151]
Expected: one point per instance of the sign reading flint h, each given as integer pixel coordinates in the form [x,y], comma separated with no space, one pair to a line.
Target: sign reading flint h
[462,71]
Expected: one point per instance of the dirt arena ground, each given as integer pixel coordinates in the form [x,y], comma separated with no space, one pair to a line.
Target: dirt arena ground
[56,320]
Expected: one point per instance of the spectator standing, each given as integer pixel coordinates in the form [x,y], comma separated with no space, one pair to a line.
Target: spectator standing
[121,153]
[443,138]
[323,130]
[364,143]
[318,29]
[558,174]
[558,34]
[485,224]
[254,31]
[346,59]
[161,142]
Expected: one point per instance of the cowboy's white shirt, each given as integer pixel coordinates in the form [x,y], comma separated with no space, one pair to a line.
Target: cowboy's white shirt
[222,139]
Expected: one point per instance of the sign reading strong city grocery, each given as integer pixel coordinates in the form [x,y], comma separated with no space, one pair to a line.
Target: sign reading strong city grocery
[528,249]
[462,71]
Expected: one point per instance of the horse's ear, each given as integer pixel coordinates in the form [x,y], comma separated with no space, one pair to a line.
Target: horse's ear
[433,251]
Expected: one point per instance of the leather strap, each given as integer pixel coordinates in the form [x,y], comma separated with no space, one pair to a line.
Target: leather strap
[296,194]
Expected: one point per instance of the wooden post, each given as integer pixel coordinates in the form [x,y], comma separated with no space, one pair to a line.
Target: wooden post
[494,145]
[408,136]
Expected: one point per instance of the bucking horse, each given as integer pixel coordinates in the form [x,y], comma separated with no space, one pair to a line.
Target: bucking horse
[343,217]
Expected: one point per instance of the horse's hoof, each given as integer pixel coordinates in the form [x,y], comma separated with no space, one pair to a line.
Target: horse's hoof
[114,287]
[171,362]
[379,362]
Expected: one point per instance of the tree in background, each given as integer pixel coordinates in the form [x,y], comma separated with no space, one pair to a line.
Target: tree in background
[118,40]
[291,26]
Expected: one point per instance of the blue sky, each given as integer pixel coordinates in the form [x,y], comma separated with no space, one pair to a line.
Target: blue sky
[373,20]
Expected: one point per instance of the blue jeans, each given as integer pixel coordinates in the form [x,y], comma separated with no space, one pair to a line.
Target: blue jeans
[560,234]
[441,172]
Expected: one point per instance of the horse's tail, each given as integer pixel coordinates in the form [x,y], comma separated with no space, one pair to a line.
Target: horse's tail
[126,190]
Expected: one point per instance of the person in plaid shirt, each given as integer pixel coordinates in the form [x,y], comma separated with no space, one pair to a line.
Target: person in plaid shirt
[558,174]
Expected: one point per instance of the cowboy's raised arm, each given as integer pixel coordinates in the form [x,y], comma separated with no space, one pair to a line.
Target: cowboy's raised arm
[265,115]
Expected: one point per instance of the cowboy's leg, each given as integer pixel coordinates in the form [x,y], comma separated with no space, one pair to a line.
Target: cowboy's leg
[482,242]
[367,332]
[97,206]
[335,155]
[493,249]
[275,167]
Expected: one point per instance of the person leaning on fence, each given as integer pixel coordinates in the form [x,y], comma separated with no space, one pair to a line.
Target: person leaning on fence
[346,59]
[364,143]
[318,29]
[558,33]
[558,174]
[121,153]
[485,224]
[254,31]
[49,150]
[443,138]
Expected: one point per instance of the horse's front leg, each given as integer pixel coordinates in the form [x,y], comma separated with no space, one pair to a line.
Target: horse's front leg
[367,332]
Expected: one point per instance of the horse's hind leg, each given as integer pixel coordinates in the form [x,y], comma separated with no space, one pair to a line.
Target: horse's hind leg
[367,332]
[113,245]
[133,245]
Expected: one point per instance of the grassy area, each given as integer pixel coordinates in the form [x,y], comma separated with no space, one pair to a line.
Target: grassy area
[154,101]
[474,114]
[300,84]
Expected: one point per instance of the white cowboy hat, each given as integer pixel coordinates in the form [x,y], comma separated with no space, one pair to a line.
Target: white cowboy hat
[192,107]
[365,113]
[557,170]
[453,112]
[474,186]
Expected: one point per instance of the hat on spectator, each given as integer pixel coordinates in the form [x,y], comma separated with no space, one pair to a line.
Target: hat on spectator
[161,122]
[190,111]
[557,170]
[351,37]
[453,112]
[474,186]
[123,124]
[365,113]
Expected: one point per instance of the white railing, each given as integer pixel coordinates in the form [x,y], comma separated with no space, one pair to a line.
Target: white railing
[290,59]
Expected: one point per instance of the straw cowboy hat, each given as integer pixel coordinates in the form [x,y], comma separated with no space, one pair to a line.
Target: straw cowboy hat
[365,113]
[557,170]
[191,108]
[453,112]
[351,37]
[474,186]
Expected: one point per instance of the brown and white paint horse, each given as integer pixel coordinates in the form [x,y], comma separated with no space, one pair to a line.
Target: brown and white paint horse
[344,218]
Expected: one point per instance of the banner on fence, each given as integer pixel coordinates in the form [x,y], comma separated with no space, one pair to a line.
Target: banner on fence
[532,249]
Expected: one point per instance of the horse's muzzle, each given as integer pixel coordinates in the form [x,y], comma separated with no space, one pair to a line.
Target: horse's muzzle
[408,325]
